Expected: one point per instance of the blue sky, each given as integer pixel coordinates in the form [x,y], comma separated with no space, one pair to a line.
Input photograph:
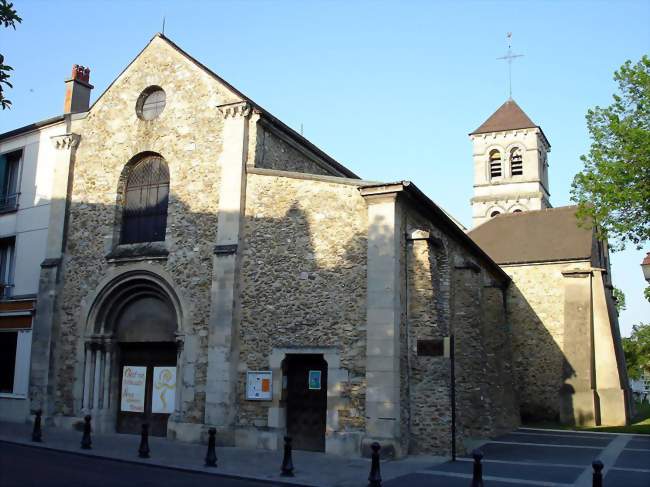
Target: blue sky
[390,89]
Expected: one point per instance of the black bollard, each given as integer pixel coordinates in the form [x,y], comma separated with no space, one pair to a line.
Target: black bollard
[86,443]
[374,479]
[37,434]
[287,462]
[598,473]
[211,456]
[477,475]
[143,451]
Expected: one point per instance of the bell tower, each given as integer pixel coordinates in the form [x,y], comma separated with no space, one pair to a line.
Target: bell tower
[510,164]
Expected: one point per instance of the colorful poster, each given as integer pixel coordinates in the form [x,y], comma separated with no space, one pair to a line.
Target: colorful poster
[134,379]
[163,398]
[258,385]
[314,380]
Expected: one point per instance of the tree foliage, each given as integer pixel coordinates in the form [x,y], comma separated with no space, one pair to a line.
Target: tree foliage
[619,299]
[8,18]
[613,189]
[637,350]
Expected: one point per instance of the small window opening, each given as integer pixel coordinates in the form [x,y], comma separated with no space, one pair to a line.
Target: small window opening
[431,348]
[495,164]
[6,267]
[9,164]
[151,103]
[494,213]
[516,162]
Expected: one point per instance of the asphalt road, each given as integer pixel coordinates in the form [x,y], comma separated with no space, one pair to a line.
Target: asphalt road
[26,466]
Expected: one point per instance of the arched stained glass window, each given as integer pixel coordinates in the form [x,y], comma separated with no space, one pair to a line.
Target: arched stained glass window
[144,218]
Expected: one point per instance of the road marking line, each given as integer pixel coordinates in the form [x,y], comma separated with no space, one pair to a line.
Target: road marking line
[630,469]
[608,456]
[637,449]
[516,462]
[506,480]
[544,445]
[582,432]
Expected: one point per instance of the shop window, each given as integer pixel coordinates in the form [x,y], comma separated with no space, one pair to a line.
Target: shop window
[8,342]
[15,350]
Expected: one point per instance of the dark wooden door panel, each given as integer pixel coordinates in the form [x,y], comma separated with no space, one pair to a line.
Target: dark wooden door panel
[306,408]
[147,355]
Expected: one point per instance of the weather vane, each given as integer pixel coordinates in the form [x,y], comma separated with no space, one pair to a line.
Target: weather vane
[509,57]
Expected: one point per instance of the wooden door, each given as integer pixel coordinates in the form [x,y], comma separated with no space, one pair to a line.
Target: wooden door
[144,356]
[306,401]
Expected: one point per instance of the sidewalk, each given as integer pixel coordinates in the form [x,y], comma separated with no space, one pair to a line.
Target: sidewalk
[311,468]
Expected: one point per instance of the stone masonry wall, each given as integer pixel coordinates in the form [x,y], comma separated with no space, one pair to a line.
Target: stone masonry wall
[429,377]
[188,135]
[439,292]
[303,277]
[536,308]
[275,153]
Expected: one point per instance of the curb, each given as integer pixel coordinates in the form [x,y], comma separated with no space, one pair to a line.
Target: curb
[180,468]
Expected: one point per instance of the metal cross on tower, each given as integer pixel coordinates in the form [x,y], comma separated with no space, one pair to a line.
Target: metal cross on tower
[509,57]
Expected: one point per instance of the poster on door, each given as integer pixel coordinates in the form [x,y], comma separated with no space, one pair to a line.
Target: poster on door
[134,379]
[164,390]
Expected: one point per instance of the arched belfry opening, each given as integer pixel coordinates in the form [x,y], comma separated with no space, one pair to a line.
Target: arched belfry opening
[132,354]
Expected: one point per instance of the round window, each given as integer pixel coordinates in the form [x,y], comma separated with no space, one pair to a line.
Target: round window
[151,103]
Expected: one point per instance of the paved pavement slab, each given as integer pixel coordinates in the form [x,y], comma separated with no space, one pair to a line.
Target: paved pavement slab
[559,474]
[633,459]
[624,478]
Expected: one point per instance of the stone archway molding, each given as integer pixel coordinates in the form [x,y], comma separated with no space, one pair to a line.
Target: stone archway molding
[96,383]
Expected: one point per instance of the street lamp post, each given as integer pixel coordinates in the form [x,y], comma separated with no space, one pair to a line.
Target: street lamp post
[645,265]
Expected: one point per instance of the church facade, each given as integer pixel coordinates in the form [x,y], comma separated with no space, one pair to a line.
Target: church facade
[213,268]
[218,270]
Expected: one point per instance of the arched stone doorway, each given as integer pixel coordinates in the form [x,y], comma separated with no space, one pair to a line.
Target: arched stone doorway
[132,355]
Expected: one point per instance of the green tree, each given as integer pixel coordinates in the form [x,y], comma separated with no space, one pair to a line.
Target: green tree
[637,350]
[619,299]
[9,18]
[613,189]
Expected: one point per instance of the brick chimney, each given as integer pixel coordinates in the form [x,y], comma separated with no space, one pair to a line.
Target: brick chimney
[77,90]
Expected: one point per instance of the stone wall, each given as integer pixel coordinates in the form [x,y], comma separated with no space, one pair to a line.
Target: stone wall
[536,309]
[188,136]
[448,290]
[428,378]
[303,283]
[274,152]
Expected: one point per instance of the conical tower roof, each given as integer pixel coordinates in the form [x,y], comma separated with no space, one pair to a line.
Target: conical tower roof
[508,116]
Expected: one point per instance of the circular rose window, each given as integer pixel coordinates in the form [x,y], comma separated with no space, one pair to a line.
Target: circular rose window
[151,103]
